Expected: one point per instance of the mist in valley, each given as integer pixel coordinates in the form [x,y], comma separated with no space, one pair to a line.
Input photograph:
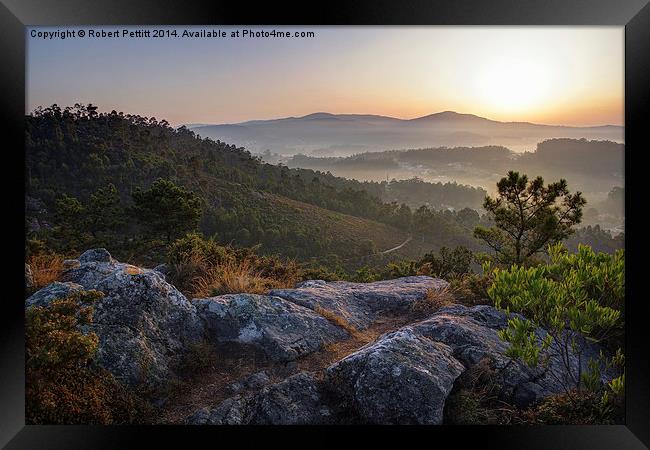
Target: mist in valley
[398,158]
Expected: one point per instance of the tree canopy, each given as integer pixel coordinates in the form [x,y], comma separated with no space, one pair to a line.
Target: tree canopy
[528,216]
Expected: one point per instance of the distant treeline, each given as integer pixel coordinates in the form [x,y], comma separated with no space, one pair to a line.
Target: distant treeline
[590,165]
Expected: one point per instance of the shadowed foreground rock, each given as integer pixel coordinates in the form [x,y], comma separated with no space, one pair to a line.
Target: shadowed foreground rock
[283,330]
[405,376]
[361,303]
[401,378]
[472,335]
[294,401]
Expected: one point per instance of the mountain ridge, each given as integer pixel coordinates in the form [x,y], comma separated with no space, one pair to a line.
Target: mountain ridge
[442,115]
[328,134]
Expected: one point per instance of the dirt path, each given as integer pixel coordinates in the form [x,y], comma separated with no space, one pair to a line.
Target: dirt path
[398,247]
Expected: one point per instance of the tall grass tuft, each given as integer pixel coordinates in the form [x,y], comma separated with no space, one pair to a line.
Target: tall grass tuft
[46,268]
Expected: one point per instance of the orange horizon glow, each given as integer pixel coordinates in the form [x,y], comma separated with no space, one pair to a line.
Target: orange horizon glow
[547,75]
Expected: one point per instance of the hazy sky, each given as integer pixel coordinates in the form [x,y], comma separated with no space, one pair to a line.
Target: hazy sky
[554,75]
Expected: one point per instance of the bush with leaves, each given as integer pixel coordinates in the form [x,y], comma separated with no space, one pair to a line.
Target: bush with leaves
[571,298]
[450,264]
[63,383]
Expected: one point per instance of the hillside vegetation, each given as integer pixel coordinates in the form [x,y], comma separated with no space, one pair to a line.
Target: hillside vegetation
[76,156]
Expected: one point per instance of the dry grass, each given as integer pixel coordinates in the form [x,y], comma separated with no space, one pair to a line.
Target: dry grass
[183,273]
[433,301]
[338,320]
[235,277]
[198,277]
[46,269]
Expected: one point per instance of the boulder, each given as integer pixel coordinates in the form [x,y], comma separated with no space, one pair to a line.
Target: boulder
[163,269]
[361,304]
[93,266]
[471,333]
[252,382]
[295,401]
[96,255]
[283,330]
[401,378]
[144,324]
[43,297]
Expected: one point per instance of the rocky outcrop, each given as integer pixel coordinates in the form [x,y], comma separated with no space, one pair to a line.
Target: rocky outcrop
[472,335]
[361,304]
[402,378]
[251,382]
[283,330]
[143,323]
[297,400]
[146,326]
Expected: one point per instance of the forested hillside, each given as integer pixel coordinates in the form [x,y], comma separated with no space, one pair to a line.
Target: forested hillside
[74,157]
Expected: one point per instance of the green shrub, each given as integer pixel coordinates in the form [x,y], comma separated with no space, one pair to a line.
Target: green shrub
[449,265]
[63,384]
[400,269]
[323,273]
[572,298]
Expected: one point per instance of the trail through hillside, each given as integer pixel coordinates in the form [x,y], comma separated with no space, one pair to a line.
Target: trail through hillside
[399,246]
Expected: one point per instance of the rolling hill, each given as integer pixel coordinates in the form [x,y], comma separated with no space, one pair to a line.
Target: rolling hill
[72,153]
[344,134]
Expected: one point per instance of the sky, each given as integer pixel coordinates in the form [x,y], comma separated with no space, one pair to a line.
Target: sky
[550,75]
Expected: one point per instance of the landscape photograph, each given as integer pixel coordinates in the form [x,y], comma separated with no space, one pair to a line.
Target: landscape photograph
[340,225]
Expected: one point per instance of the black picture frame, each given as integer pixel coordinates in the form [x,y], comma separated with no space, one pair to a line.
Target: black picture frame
[634,15]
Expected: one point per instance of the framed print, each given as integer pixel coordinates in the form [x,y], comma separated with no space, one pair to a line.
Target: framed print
[394,219]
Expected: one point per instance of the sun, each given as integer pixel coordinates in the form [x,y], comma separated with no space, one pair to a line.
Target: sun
[513,86]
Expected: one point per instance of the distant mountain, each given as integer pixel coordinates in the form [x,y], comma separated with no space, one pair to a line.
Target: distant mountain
[329,134]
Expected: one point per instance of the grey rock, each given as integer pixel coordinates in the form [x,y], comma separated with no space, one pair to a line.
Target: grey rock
[96,255]
[401,378]
[283,330]
[71,264]
[255,381]
[95,265]
[295,401]
[361,303]
[472,335]
[236,387]
[258,380]
[162,268]
[144,324]
[43,297]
